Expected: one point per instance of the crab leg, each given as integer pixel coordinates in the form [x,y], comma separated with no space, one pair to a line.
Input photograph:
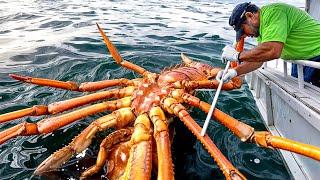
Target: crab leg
[187,61]
[247,134]
[116,137]
[117,160]
[51,124]
[239,47]
[212,73]
[97,85]
[37,110]
[212,84]
[266,139]
[161,135]
[117,57]
[118,119]
[140,160]
[243,131]
[173,107]
[79,101]
[73,86]
[61,106]
[69,85]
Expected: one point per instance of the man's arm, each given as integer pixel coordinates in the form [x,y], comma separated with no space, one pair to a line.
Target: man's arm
[263,52]
[253,59]
[246,67]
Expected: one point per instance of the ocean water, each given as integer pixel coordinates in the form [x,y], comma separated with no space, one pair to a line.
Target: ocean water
[59,40]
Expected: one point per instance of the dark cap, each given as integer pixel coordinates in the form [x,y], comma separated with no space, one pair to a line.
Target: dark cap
[237,18]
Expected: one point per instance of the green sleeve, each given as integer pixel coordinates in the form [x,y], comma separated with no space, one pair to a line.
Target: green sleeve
[274,27]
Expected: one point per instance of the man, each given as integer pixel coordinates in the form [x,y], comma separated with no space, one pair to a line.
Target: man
[282,31]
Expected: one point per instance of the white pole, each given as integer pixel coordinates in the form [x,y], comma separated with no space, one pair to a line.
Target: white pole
[285,69]
[215,99]
[300,76]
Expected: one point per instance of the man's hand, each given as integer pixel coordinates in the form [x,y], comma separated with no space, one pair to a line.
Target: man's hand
[229,53]
[231,73]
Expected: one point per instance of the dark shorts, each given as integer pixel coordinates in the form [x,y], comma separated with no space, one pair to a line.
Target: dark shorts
[311,75]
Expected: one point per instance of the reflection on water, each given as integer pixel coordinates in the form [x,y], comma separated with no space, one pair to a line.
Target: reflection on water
[59,40]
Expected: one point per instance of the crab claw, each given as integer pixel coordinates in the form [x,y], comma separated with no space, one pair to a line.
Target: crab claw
[55,161]
[78,144]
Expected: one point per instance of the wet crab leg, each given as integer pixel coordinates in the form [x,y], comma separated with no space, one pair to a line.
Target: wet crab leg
[210,84]
[37,110]
[139,164]
[172,106]
[119,118]
[51,124]
[97,85]
[161,136]
[242,130]
[239,47]
[117,57]
[73,86]
[61,106]
[247,133]
[83,100]
[121,135]
[187,61]
[266,139]
[69,85]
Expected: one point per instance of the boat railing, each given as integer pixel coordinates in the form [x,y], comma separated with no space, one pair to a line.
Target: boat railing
[300,65]
[287,110]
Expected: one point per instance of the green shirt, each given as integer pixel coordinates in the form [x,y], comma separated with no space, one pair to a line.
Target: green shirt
[299,32]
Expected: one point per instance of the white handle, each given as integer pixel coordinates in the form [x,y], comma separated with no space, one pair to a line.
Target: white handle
[215,99]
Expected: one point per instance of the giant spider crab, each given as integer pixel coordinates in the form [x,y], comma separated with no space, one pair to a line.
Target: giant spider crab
[141,108]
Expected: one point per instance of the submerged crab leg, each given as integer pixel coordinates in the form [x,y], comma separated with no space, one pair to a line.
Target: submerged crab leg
[140,159]
[161,136]
[116,137]
[61,106]
[246,133]
[117,57]
[118,119]
[173,107]
[73,86]
[51,124]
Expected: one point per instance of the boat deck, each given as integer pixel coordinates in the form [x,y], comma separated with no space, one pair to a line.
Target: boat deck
[290,112]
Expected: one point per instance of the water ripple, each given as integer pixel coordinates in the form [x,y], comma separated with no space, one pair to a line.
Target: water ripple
[56,24]
[59,40]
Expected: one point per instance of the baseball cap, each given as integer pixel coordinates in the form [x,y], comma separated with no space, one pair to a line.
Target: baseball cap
[237,18]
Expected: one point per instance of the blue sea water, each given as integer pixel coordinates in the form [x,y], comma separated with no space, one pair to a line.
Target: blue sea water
[59,40]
